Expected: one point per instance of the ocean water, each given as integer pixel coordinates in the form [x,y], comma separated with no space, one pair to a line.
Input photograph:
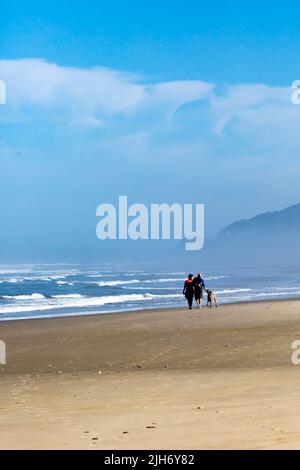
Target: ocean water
[34,291]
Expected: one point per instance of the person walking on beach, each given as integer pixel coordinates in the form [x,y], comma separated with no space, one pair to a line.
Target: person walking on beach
[188,290]
[199,286]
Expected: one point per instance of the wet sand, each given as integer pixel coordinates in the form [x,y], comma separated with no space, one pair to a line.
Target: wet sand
[169,379]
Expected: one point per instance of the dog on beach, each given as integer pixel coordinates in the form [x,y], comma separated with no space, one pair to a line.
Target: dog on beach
[211,297]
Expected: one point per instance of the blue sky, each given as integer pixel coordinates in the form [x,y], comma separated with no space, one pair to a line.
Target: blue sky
[166,102]
[225,41]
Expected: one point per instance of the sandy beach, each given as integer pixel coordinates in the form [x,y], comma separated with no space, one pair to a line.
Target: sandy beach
[168,379]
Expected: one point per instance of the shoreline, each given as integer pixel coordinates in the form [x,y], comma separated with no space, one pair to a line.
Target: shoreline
[151,309]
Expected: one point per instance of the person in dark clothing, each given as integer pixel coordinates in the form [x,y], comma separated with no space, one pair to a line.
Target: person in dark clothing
[188,290]
[199,286]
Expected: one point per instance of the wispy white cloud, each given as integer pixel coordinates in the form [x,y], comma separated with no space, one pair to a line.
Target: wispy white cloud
[253,105]
[88,96]
[227,119]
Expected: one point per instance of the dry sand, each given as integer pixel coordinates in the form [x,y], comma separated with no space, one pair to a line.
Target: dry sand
[169,379]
